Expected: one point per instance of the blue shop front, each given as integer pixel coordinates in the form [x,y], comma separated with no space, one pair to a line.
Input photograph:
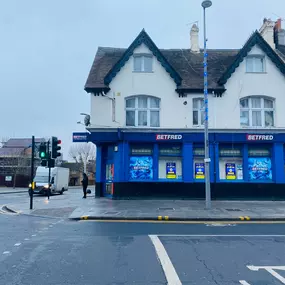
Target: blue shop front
[171,164]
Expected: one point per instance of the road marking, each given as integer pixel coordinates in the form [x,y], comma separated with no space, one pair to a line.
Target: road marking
[17,244]
[34,235]
[27,239]
[50,226]
[6,252]
[271,270]
[220,225]
[167,266]
[243,282]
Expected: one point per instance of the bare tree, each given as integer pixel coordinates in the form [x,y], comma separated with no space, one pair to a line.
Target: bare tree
[15,163]
[82,153]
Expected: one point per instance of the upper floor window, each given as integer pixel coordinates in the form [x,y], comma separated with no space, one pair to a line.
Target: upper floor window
[143,63]
[257,112]
[198,112]
[255,64]
[142,111]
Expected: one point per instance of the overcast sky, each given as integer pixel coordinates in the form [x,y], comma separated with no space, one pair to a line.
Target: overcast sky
[47,48]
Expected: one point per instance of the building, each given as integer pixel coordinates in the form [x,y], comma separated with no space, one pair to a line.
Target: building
[15,162]
[147,118]
[76,172]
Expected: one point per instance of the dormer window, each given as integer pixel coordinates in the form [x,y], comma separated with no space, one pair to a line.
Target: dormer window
[255,64]
[142,63]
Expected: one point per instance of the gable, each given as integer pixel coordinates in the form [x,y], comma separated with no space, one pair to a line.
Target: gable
[255,40]
[142,38]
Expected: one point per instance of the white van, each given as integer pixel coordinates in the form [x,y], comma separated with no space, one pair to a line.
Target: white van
[59,180]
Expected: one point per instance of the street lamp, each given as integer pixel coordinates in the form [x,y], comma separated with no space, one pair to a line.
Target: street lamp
[206,4]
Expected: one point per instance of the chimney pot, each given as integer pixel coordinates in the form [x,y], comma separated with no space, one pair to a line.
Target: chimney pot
[194,38]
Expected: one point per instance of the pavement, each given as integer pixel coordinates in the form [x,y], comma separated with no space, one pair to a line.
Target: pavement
[41,250]
[180,210]
[9,190]
[71,205]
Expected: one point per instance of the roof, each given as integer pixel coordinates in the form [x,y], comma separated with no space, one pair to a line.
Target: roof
[21,143]
[281,50]
[4,152]
[255,39]
[183,65]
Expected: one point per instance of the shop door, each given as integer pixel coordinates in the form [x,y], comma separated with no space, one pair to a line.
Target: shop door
[109,179]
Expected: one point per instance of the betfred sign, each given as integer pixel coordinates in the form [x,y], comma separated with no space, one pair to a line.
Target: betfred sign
[259,137]
[80,137]
[168,137]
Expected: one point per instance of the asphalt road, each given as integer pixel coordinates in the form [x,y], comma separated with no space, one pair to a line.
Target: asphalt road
[36,250]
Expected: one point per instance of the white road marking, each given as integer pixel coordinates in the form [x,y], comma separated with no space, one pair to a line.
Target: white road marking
[167,266]
[271,270]
[6,252]
[220,225]
[45,228]
[34,235]
[27,239]
[50,226]
[17,244]
[243,282]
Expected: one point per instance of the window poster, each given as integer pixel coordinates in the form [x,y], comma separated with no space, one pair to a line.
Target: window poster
[259,168]
[239,172]
[199,170]
[141,168]
[230,171]
[171,170]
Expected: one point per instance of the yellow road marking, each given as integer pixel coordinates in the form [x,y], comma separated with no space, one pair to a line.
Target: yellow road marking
[242,218]
[159,218]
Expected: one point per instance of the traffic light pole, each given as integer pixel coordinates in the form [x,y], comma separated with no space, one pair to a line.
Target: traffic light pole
[49,159]
[32,173]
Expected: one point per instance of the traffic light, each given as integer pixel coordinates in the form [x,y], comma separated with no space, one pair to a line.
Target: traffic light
[44,162]
[55,147]
[43,153]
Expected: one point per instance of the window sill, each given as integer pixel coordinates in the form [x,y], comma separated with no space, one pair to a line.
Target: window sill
[141,127]
[233,180]
[143,71]
[258,127]
[248,72]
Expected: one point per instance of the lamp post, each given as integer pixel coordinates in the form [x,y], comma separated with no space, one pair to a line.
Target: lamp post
[206,4]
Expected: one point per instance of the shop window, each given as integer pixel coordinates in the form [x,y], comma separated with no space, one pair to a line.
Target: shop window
[259,163]
[170,162]
[141,163]
[230,163]
[198,163]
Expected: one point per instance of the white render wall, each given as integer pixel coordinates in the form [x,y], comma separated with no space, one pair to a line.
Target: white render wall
[224,112]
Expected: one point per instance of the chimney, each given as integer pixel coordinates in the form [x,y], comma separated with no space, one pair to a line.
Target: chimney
[194,38]
[267,31]
[279,33]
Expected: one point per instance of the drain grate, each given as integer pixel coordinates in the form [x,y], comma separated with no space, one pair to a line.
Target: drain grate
[233,210]
[166,209]
[111,213]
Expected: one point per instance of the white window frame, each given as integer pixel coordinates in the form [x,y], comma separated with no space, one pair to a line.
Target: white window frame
[252,57]
[142,58]
[200,109]
[148,109]
[262,109]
